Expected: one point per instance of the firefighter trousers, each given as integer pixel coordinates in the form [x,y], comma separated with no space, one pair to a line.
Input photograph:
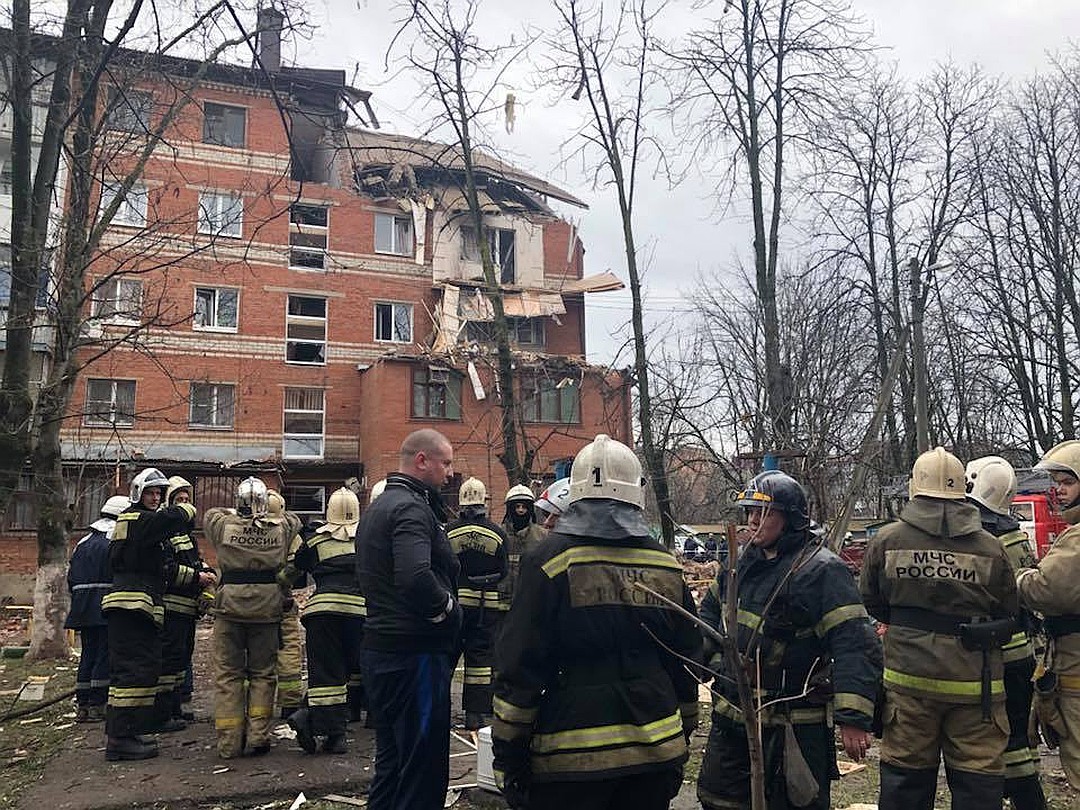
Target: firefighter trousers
[290,684]
[642,791]
[177,647]
[479,628]
[1069,748]
[724,780]
[92,680]
[333,658]
[244,652]
[919,731]
[134,666]
[1022,786]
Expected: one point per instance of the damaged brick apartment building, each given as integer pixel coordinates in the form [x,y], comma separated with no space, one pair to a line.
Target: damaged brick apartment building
[288,291]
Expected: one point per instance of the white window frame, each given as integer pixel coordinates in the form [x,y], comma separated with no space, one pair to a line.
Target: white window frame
[221,213]
[115,298]
[132,211]
[307,320]
[394,248]
[299,230]
[291,436]
[91,419]
[215,405]
[394,309]
[215,324]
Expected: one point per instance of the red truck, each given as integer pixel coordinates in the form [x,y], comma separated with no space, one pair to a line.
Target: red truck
[1039,518]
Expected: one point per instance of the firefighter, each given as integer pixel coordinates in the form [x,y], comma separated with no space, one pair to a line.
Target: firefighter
[480,546]
[1053,588]
[141,564]
[552,502]
[290,678]
[88,580]
[593,703]
[334,620]
[190,577]
[991,485]
[249,604]
[522,532]
[802,624]
[946,590]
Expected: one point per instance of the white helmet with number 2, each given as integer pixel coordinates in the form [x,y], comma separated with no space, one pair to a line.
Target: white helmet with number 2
[606,468]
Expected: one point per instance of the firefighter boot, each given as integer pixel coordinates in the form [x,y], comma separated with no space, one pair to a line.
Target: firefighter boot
[300,722]
[908,788]
[335,744]
[974,789]
[128,748]
[1026,793]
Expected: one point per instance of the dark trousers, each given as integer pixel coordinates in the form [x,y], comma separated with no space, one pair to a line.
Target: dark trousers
[333,659]
[409,702]
[724,780]
[479,628]
[134,666]
[643,791]
[1022,785]
[177,647]
[92,680]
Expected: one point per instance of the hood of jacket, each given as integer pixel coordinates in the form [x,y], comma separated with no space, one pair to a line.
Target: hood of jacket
[940,517]
[603,518]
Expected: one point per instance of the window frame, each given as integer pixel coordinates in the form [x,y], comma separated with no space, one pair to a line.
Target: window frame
[299,230]
[307,320]
[287,435]
[393,321]
[216,325]
[212,221]
[214,406]
[395,249]
[102,296]
[90,418]
[130,204]
[208,135]
[452,393]
[289,493]
[119,105]
[533,402]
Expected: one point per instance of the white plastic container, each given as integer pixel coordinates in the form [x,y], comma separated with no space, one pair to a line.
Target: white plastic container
[485,761]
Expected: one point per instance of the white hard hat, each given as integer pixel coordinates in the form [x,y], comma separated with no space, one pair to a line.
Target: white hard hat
[176,483]
[343,508]
[251,497]
[519,492]
[1063,457]
[275,503]
[556,497]
[991,481]
[937,473]
[606,468]
[472,493]
[150,478]
[115,506]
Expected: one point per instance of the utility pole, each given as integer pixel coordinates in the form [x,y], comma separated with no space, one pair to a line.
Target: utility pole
[918,294]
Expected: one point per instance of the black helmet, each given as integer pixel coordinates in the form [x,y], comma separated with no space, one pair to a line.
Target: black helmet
[773,489]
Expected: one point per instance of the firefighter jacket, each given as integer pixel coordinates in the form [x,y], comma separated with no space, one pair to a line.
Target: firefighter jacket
[331,561]
[407,571]
[589,684]
[480,546]
[1053,589]
[925,574]
[251,557]
[141,558]
[182,589]
[800,616]
[1018,549]
[89,577]
[518,543]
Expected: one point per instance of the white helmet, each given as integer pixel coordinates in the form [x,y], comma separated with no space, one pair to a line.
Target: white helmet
[519,492]
[555,498]
[275,503]
[150,478]
[176,483]
[376,490]
[991,481]
[343,508]
[937,473]
[606,468]
[251,498]
[472,493]
[115,506]
[1063,457]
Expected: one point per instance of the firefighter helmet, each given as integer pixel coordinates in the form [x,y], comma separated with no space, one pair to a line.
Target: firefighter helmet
[472,493]
[150,478]
[1063,457]
[115,506]
[555,498]
[606,468]
[773,489]
[991,481]
[251,499]
[376,490]
[343,509]
[519,492]
[275,503]
[937,473]
[176,483]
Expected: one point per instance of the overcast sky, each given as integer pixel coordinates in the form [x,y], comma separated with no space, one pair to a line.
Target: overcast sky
[681,229]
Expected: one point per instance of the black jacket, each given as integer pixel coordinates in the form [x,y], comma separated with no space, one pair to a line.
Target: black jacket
[480,546]
[407,571]
[88,579]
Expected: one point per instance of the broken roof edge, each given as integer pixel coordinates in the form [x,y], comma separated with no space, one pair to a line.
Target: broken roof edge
[444,156]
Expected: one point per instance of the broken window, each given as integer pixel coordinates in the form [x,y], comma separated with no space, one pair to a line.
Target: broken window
[549,400]
[216,308]
[436,394]
[501,245]
[308,236]
[305,330]
[393,323]
[303,422]
[522,331]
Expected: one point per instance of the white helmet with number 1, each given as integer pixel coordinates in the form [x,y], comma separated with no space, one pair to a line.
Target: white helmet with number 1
[606,468]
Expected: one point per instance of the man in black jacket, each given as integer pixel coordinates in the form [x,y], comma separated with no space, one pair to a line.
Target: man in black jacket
[408,575]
